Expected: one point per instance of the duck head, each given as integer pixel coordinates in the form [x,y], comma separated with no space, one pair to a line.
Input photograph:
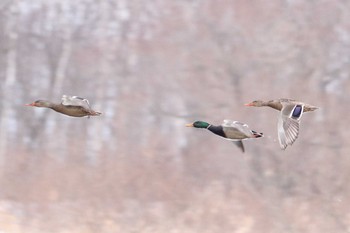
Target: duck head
[256,103]
[40,103]
[198,124]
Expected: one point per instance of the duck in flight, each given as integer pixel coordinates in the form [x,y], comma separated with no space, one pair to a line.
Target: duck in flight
[231,130]
[289,119]
[70,105]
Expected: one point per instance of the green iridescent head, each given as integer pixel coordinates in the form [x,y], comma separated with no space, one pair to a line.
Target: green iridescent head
[199,124]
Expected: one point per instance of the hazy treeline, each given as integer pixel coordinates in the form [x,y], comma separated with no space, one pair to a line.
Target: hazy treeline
[151,67]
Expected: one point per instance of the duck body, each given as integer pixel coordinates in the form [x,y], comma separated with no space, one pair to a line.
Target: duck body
[230,130]
[71,106]
[289,119]
[74,111]
[278,104]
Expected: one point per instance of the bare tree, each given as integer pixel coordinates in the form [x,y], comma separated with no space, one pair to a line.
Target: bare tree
[8,88]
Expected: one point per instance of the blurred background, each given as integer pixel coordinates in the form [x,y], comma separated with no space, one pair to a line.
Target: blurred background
[151,67]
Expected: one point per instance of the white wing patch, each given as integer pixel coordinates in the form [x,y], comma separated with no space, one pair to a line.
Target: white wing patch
[75,101]
[233,123]
[236,129]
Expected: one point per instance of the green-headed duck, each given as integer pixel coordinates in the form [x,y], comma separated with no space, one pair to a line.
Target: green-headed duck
[231,130]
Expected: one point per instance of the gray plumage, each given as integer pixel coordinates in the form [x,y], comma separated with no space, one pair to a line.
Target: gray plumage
[236,131]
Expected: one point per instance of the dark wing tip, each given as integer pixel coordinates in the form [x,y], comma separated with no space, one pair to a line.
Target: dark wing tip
[240,145]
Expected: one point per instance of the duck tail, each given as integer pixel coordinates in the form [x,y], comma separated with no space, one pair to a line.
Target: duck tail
[256,134]
[93,113]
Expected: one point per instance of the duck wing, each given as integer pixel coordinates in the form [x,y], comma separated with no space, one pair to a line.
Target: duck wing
[237,130]
[288,124]
[239,144]
[75,101]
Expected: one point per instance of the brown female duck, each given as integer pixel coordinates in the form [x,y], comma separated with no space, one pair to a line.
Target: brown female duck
[71,105]
[289,120]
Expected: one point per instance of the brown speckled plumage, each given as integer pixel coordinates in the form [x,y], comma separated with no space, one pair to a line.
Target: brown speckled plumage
[71,105]
[289,120]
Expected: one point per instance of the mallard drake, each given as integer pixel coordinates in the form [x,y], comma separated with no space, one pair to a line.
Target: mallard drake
[231,130]
[289,120]
[70,105]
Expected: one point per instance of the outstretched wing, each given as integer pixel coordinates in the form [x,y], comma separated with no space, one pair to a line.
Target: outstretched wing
[288,124]
[237,128]
[75,101]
